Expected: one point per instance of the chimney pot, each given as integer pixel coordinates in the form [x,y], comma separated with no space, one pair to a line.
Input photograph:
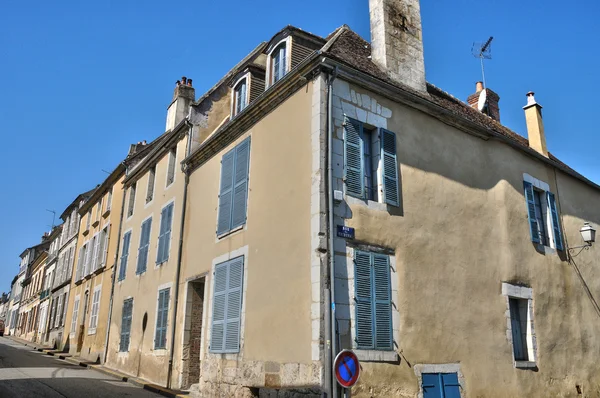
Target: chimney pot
[478,86]
[184,80]
[177,82]
[190,82]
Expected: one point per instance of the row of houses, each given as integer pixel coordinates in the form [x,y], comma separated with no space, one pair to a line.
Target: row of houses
[323,196]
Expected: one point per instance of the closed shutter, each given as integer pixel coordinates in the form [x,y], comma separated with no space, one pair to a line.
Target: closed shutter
[226,193]
[150,190]
[383,303]
[160,338]
[164,240]
[104,245]
[227,306]
[533,224]
[440,385]
[171,167]
[75,314]
[161,232]
[96,254]
[240,188]
[390,168]
[95,308]
[353,159]
[126,325]
[124,255]
[555,221]
[364,298]
[517,335]
[144,244]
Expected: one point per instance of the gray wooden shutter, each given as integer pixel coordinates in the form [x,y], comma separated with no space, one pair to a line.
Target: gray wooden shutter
[151,178]
[240,180]
[382,303]
[124,255]
[225,193]
[234,304]
[126,325]
[160,338]
[390,168]
[217,334]
[144,243]
[353,158]
[171,166]
[533,224]
[555,221]
[363,297]
[160,253]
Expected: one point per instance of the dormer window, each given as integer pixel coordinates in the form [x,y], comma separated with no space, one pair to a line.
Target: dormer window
[278,62]
[240,96]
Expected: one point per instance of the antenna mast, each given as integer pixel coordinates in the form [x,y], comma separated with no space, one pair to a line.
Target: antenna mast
[483,51]
[53,217]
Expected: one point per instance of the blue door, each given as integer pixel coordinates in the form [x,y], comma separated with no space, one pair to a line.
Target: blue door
[440,385]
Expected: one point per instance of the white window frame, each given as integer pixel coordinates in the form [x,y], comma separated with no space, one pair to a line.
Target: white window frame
[523,293]
[288,59]
[247,78]
[93,325]
[544,187]
[75,316]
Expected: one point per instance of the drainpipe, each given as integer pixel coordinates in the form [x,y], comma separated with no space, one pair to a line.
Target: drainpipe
[178,272]
[113,277]
[331,332]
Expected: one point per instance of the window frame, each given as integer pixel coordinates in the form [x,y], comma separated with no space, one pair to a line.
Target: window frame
[245,81]
[550,214]
[123,263]
[131,200]
[171,167]
[510,291]
[75,316]
[287,44]
[146,245]
[94,316]
[162,233]
[151,184]
[163,312]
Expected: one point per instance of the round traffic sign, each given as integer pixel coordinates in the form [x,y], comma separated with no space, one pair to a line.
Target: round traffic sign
[347,368]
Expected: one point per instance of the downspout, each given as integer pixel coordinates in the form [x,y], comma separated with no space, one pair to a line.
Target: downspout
[179,257]
[113,276]
[332,330]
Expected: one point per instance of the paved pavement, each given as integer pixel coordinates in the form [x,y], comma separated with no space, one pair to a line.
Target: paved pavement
[26,373]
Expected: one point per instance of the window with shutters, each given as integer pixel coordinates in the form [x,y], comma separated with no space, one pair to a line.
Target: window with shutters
[144,246]
[74,317]
[103,246]
[227,306]
[98,212]
[126,316]
[95,246]
[89,220]
[131,200]
[150,189]
[81,261]
[59,306]
[233,193]
[440,385]
[94,310]
[373,302]
[240,96]
[109,200]
[124,255]
[162,312]
[542,212]
[164,237]
[171,166]
[521,326]
[369,157]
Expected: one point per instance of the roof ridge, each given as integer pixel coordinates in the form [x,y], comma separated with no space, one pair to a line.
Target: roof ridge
[334,36]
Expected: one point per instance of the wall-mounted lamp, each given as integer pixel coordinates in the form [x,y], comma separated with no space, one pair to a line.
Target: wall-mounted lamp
[588,234]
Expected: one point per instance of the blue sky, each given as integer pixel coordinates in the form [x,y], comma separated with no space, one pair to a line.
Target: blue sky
[80,81]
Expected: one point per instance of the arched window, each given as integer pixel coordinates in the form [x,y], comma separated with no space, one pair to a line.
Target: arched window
[240,98]
[278,62]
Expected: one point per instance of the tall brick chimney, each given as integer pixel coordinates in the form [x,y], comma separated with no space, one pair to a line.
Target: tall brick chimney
[183,96]
[492,106]
[397,41]
[535,125]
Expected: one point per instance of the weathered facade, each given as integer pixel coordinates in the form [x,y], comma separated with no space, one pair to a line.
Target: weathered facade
[86,320]
[30,301]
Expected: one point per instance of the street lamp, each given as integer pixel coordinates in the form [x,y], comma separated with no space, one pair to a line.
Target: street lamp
[588,234]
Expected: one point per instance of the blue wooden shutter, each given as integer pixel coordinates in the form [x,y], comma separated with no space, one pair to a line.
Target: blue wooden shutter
[364,300]
[555,221]
[124,255]
[225,193]
[353,158]
[451,385]
[161,241]
[126,325]
[533,224]
[240,181]
[432,386]
[234,304]
[160,338]
[382,303]
[217,334]
[167,235]
[144,243]
[517,335]
[390,168]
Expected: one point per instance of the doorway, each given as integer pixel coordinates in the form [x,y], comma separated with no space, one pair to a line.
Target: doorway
[192,334]
[82,324]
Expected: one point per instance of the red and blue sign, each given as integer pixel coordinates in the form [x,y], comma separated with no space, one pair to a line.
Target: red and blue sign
[347,368]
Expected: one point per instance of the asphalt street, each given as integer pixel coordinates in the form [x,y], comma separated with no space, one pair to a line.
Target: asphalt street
[26,373]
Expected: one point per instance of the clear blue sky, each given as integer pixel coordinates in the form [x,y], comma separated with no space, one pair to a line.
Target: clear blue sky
[80,80]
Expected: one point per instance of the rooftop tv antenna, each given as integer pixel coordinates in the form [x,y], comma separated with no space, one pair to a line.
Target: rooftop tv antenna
[53,217]
[483,51]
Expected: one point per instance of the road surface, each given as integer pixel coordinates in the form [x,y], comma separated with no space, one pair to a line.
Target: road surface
[26,373]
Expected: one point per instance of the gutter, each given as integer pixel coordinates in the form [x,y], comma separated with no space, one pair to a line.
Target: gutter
[179,258]
[114,272]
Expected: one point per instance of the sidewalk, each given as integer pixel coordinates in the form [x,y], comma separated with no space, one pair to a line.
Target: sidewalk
[110,372]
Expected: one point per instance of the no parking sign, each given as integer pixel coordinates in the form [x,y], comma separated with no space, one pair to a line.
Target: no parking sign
[346,368]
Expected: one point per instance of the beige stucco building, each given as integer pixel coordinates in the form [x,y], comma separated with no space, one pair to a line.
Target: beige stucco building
[88,311]
[30,300]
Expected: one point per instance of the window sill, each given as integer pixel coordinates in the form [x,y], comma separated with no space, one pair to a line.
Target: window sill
[231,232]
[525,364]
[545,250]
[160,352]
[91,331]
[371,204]
[78,282]
[376,356]
[99,270]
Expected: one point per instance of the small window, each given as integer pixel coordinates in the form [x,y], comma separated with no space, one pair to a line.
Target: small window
[544,221]
[521,330]
[126,316]
[160,337]
[103,247]
[150,190]
[131,200]
[171,166]
[519,316]
[278,63]
[240,99]
[89,220]
[91,266]
[109,200]
[436,385]
[124,255]
[99,209]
